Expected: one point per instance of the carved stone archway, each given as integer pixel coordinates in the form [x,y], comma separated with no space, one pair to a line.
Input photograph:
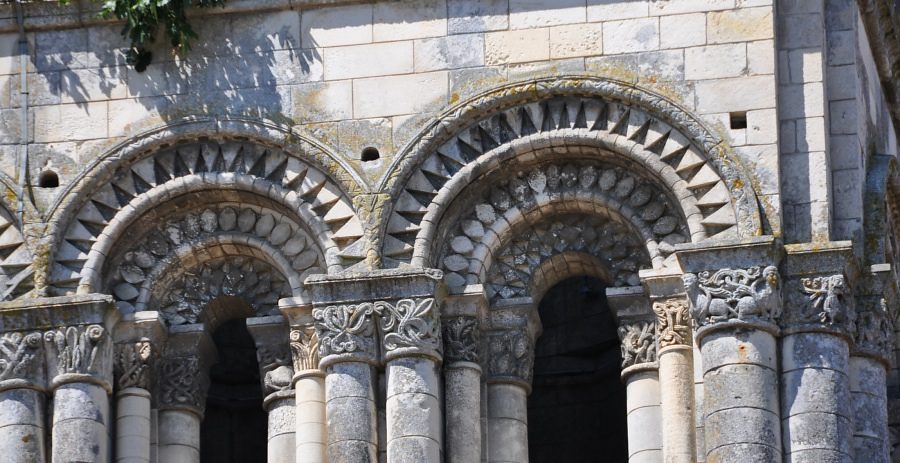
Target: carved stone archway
[16,260]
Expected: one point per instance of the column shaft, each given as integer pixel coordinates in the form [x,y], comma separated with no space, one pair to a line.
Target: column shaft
[868,389]
[413,408]
[310,414]
[644,417]
[816,410]
[133,426]
[281,445]
[507,423]
[350,413]
[676,378]
[80,420]
[179,436]
[154,436]
[462,385]
[22,433]
[740,401]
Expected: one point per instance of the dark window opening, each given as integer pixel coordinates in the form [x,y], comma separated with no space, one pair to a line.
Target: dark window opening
[576,411]
[738,120]
[369,154]
[235,425]
[48,179]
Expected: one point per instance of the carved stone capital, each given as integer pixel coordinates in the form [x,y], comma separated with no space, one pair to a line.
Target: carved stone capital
[183,384]
[821,303]
[874,329]
[673,325]
[346,331]
[305,348]
[21,360]
[134,364]
[410,326]
[638,342]
[510,357]
[461,339]
[81,353]
[750,296]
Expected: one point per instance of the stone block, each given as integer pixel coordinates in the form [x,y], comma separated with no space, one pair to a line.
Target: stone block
[801,31]
[350,418]
[389,96]
[451,52]
[642,391]
[322,101]
[668,7]
[526,14]
[413,415]
[841,14]
[163,78]
[842,82]
[83,85]
[740,25]
[408,375]
[842,47]
[762,127]
[358,134]
[733,347]
[844,116]
[806,65]
[631,35]
[514,436]
[811,134]
[60,50]
[43,89]
[276,30]
[539,69]
[349,380]
[135,115]
[665,65]
[467,16]
[761,57]
[742,425]
[465,83]
[802,100]
[685,30]
[413,449]
[107,47]
[67,122]
[375,59]
[576,40]
[830,435]
[352,451]
[846,152]
[409,20]
[517,46]
[611,10]
[178,427]
[644,430]
[715,61]
[735,94]
[336,26]
[847,192]
[507,401]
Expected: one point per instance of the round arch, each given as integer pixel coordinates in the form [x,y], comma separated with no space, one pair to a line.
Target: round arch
[202,157]
[16,259]
[634,124]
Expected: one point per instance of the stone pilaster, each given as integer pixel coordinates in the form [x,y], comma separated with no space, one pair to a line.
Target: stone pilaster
[640,372]
[818,324]
[676,365]
[734,290]
[870,360]
[139,340]
[183,384]
[391,317]
[276,370]
[462,374]
[514,326]
[309,382]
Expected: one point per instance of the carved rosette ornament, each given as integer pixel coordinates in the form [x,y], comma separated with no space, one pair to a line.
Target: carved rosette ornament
[874,331]
[133,364]
[346,329]
[305,348]
[182,384]
[752,295]
[673,325]
[410,325]
[21,362]
[461,339]
[828,303]
[80,350]
[638,342]
[511,357]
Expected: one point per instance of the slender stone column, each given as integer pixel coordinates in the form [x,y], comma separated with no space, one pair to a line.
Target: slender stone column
[271,335]
[462,374]
[510,346]
[183,384]
[22,397]
[138,341]
[869,363]
[815,357]
[676,366]
[309,382]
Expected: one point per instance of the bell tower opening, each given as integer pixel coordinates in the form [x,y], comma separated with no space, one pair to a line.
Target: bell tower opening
[576,411]
[235,425]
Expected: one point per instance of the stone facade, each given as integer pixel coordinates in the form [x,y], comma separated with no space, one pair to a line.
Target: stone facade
[381,194]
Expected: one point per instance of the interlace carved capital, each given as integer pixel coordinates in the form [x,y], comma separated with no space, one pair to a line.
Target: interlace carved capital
[134,363]
[305,348]
[182,384]
[21,359]
[673,325]
[347,329]
[410,325]
[749,295]
[461,336]
[80,350]
[511,356]
[638,342]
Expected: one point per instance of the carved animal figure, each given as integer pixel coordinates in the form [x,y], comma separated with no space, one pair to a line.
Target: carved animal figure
[279,379]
